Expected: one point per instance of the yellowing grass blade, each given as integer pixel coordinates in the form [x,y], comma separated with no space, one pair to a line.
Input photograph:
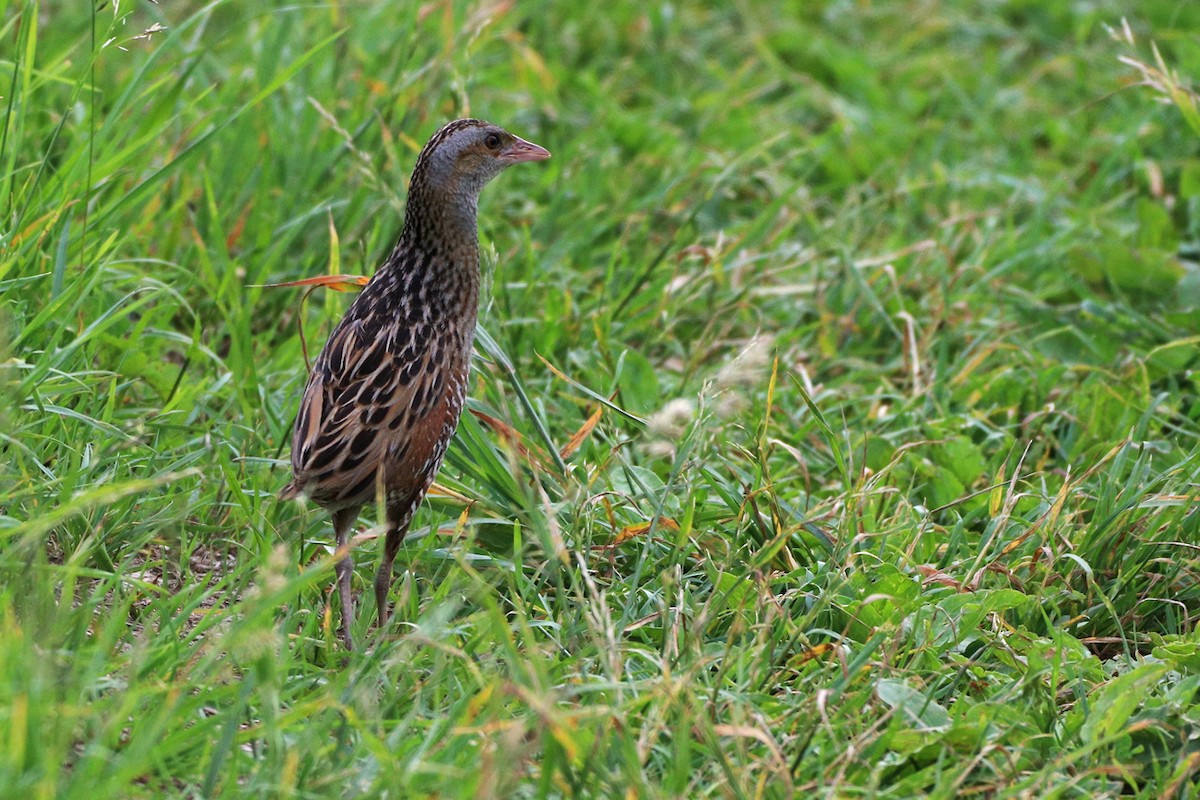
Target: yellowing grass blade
[437,490]
[339,283]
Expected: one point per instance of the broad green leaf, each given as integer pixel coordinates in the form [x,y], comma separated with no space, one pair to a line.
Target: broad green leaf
[912,706]
[1111,706]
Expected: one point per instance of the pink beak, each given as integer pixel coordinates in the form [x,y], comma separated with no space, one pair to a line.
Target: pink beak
[521,151]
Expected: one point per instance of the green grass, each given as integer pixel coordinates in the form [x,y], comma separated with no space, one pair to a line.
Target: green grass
[891,309]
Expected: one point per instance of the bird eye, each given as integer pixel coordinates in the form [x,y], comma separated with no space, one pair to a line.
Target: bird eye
[492,141]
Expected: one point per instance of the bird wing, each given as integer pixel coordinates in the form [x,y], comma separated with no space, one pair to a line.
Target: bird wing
[375,408]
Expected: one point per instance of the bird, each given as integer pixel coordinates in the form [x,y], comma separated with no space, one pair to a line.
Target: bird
[384,396]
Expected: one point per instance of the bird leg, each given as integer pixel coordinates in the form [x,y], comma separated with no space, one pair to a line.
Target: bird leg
[383,580]
[343,524]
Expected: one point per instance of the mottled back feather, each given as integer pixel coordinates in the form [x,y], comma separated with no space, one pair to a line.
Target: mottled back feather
[386,392]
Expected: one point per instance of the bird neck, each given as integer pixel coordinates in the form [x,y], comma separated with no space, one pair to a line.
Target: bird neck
[436,261]
[435,268]
[441,210]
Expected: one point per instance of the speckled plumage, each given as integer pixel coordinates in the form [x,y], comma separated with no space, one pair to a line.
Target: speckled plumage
[386,393]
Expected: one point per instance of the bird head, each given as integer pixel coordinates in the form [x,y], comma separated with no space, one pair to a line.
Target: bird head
[464,155]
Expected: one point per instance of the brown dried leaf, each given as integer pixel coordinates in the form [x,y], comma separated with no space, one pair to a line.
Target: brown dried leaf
[581,435]
[635,530]
[510,434]
[932,574]
[239,226]
[811,653]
